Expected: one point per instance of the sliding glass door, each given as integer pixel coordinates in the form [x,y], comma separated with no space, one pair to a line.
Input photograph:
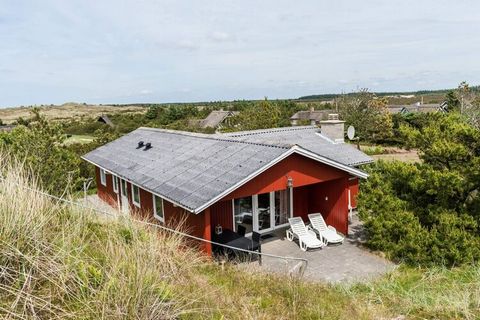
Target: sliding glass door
[243,214]
[281,208]
[263,212]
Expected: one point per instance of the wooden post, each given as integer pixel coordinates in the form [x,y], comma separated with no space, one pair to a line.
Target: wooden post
[207,231]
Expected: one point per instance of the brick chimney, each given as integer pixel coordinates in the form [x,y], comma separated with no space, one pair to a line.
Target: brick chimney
[333,128]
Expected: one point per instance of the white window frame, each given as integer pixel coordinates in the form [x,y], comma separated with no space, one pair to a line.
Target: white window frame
[155,212]
[137,204]
[115,183]
[103,177]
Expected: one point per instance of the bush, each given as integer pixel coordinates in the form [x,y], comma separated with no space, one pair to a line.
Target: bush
[438,199]
[415,215]
[373,150]
[40,146]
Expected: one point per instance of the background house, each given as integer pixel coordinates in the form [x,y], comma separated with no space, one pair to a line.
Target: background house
[418,107]
[106,120]
[216,119]
[311,116]
[256,179]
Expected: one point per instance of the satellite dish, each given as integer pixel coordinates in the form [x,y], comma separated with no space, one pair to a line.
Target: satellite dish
[351,132]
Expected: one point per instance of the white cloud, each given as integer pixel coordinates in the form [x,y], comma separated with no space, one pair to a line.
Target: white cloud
[219,36]
[237,49]
[146,92]
[187,45]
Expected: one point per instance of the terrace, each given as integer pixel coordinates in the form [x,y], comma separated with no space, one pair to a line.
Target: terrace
[347,262]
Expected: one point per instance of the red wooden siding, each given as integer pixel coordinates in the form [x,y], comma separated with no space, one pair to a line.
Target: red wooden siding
[175,217]
[353,187]
[106,193]
[222,214]
[195,224]
[301,200]
[302,170]
[330,199]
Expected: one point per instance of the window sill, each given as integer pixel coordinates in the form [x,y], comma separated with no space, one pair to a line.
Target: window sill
[162,220]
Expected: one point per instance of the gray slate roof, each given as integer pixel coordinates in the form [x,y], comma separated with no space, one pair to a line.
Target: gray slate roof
[105,119]
[215,118]
[316,115]
[191,169]
[422,108]
[309,138]
[188,169]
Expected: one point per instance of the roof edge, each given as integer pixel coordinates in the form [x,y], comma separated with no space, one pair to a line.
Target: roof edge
[295,149]
[217,137]
[238,134]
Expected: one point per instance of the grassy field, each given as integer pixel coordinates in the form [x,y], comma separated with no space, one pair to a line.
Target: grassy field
[76,138]
[63,262]
[390,153]
[66,111]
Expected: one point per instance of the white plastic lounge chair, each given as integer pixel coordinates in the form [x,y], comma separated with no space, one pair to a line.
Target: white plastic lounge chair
[306,238]
[328,234]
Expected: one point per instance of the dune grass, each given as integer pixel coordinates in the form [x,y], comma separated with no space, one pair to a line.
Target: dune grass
[63,262]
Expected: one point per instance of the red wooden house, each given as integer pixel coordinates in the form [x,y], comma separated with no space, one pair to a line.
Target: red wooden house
[257,179]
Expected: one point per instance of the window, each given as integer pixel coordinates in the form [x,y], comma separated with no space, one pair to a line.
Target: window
[123,188]
[115,184]
[103,177]
[158,208]
[135,195]
[243,213]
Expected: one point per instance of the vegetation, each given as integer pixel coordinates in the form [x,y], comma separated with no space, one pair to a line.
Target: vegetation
[368,114]
[264,114]
[466,100]
[429,96]
[252,115]
[373,150]
[61,262]
[39,143]
[81,139]
[429,212]
[54,157]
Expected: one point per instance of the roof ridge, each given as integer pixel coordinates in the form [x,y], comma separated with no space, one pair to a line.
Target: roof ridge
[217,137]
[269,130]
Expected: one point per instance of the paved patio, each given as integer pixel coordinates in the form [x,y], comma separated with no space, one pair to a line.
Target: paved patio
[347,262]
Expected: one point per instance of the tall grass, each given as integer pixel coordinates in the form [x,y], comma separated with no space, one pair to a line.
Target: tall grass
[59,262]
[434,293]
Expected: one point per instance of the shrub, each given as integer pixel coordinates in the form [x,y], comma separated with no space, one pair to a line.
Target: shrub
[415,214]
[40,146]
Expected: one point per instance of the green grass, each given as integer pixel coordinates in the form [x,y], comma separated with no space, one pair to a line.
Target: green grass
[62,262]
[373,150]
[79,139]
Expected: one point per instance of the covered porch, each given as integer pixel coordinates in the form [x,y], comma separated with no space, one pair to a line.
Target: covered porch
[267,213]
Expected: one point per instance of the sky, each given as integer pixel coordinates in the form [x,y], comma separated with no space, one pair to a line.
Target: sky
[119,51]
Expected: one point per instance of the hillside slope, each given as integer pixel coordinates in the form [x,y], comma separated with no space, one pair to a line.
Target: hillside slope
[62,262]
[66,111]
